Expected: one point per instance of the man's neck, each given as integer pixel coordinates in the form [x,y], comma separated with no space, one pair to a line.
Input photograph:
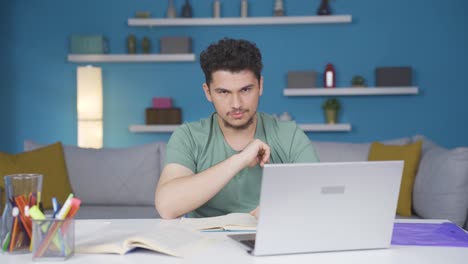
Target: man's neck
[238,139]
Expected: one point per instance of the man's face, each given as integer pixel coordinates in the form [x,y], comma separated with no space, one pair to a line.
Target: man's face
[235,97]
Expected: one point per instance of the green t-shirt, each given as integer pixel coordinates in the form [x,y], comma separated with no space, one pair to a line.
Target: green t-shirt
[201,145]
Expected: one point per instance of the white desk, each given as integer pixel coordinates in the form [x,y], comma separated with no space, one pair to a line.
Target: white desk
[228,251]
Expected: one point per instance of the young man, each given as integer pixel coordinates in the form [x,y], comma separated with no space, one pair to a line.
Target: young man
[213,166]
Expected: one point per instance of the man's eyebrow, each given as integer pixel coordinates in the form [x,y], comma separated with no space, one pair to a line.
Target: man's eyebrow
[221,90]
[247,86]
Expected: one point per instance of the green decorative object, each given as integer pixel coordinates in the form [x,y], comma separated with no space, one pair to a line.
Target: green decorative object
[131,44]
[358,81]
[331,107]
[142,14]
[146,45]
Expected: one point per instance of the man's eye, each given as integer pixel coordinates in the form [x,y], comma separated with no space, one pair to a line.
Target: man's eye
[244,90]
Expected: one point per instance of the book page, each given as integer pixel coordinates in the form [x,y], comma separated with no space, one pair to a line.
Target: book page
[233,221]
[177,240]
[164,236]
[107,240]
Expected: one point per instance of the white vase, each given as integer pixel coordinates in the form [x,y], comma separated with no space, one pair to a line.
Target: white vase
[216,9]
[244,8]
[279,8]
[171,10]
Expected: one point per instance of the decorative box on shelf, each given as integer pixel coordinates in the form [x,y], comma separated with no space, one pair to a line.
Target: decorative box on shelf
[302,79]
[163,116]
[162,102]
[393,76]
[88,44]
[176,45]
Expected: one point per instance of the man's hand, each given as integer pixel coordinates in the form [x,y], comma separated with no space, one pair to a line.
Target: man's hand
[256,152]
[255,212]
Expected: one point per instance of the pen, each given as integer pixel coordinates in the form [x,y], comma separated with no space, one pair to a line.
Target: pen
[29,199]
[36,214]
[61,215]
[6,242]
[65,208]
[54,206]
[26,221]
[39,199]
[74,206]
[33,200]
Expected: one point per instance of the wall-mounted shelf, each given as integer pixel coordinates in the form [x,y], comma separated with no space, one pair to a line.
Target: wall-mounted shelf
[350,91]
[305,127]
[238,21]
[152,128]
[131,57]
[325,127]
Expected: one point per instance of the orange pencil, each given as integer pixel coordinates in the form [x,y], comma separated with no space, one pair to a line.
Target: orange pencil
[21,203]
[15,213]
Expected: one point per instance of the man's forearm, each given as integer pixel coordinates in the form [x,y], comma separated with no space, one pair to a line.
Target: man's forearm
[185,194]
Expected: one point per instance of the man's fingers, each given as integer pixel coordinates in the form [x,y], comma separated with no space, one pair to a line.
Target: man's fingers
[255,212]
[261,152]
[265,156]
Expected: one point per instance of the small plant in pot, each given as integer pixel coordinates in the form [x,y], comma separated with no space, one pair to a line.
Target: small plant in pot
[331,107]
[358,81]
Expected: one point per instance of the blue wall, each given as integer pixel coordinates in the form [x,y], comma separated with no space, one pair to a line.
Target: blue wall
[38,85]
[7,114]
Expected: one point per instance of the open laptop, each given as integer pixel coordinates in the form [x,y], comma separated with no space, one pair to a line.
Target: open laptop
[316,207]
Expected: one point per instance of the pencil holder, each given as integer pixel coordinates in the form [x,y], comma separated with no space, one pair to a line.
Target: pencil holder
[53,239]
[22,192]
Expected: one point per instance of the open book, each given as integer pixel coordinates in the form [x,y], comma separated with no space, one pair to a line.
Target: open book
[118,237]
[229,222]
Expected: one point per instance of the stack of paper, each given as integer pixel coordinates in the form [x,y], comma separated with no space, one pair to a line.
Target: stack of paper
[229,222]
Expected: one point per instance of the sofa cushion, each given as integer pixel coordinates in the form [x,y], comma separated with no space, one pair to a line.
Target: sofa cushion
[441,186]
[116,212]
[48,161]
[339,152]
[410,154]
[113,176]
[427,143]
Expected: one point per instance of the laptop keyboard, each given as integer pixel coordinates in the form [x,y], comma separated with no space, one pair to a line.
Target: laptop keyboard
[249,243]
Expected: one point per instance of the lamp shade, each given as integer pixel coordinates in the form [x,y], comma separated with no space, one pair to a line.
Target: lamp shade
[90,134]
[89,93]
[89,107]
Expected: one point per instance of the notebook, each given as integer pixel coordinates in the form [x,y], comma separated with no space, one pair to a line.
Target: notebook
[317,207]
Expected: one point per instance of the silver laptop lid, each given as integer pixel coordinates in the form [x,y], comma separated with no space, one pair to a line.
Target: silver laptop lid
[318,207]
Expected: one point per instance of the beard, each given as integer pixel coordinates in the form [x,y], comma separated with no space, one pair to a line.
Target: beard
[241,126]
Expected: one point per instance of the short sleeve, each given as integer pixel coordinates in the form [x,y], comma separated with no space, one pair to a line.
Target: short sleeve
[181,148]
[302,150]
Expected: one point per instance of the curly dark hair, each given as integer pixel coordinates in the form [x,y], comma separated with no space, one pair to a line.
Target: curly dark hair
[232,55]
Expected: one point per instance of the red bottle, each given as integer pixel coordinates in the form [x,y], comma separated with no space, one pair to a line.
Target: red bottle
[329,76]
